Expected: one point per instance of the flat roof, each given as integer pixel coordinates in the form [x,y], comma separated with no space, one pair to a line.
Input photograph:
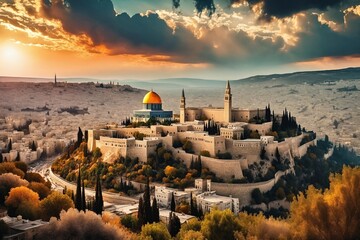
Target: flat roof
[182,216]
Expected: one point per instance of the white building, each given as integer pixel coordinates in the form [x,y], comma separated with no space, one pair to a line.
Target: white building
[209,200]
[165,213]
[163,196]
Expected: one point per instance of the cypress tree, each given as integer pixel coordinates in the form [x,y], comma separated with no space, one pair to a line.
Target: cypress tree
[174,224]
[199,165]
[155,211]
[78,201]
[140,214]
[79,137]
[147,204]
[33,146]
[1,157]
[99,202]
[9,146]
[172,204]
[83,196]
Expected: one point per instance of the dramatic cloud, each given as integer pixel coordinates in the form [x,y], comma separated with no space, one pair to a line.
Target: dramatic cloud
[200,6]
[287,8]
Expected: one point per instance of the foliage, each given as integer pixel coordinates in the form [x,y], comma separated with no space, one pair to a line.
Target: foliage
[8,181]
[192,225]
[9,167]
[155,231]
[174,224]
[22,166]
[53,204]
[205,153]
[220,225]
[130,222]
[334,213]
[257,196]
[23,201]
[40,188]
[81,225]
[34,177]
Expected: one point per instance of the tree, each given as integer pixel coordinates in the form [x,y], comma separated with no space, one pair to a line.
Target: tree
[172,203]
[1,157]
[192,225]
[54,204]
[170,171]
[277,154]
[9,167]
[220,225]
[79,137]
[140,213]
[130,222]
[23,201]
[147,204]
[9,181]
[154,231]
[174,224]
[73,224]
[83,196]
[334,213]
[33,146]
[155,211]
[22,166]
[99,202]
[78,201]
[40,188]
[34,177]
[257,196]
[9,146]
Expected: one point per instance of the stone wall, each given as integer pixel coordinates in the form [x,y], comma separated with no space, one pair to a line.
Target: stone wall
[243,191]
[222,168]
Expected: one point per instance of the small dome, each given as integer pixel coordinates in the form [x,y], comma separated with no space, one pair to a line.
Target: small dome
[152,97]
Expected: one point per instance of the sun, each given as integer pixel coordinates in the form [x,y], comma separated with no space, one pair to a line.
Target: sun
[10,53]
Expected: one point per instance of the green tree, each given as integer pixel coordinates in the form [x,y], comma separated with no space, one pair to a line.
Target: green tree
[155,211]
[155,231]
[257,196]
[99,202]
[80,136]
[172,203]
[192,225]
[140,213]
[130,222]
[147,204]
[54,204]
[78,201]
[174,224]
[220,225]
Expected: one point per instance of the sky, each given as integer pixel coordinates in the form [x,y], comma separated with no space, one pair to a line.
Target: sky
[152,39]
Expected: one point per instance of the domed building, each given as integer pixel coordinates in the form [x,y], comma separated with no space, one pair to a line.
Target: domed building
[152,108]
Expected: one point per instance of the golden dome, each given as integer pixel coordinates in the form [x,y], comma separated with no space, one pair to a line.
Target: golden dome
[152,97]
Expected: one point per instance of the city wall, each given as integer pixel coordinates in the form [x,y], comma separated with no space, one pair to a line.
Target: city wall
[222,168]
[243,191]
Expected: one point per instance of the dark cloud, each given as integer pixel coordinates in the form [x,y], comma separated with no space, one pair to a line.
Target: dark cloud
[321,41]
[286,8]
[122,34]
[200,6]
[176,3]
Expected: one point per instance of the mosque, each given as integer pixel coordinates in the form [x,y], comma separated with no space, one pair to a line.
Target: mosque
[224,114]
[152,109]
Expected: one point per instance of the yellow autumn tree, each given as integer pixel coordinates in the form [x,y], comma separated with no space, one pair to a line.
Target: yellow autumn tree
[23,201]
[334,214]
[53,204]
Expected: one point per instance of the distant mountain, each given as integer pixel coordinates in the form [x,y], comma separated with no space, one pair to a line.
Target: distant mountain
[310,77]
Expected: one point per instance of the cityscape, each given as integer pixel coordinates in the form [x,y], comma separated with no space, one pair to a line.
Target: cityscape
[205,119]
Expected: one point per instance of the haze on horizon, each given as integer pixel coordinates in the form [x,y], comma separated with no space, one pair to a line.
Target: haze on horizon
[210,39]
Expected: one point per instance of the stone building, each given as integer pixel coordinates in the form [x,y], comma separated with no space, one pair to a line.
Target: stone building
[224,114]
[152,108]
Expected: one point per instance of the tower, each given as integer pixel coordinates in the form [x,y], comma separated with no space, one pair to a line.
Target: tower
[227,103]
[55,80]
[182,107]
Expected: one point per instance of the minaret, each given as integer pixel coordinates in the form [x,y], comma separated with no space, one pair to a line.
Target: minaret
[227,103]
[55,80]
[182,107]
